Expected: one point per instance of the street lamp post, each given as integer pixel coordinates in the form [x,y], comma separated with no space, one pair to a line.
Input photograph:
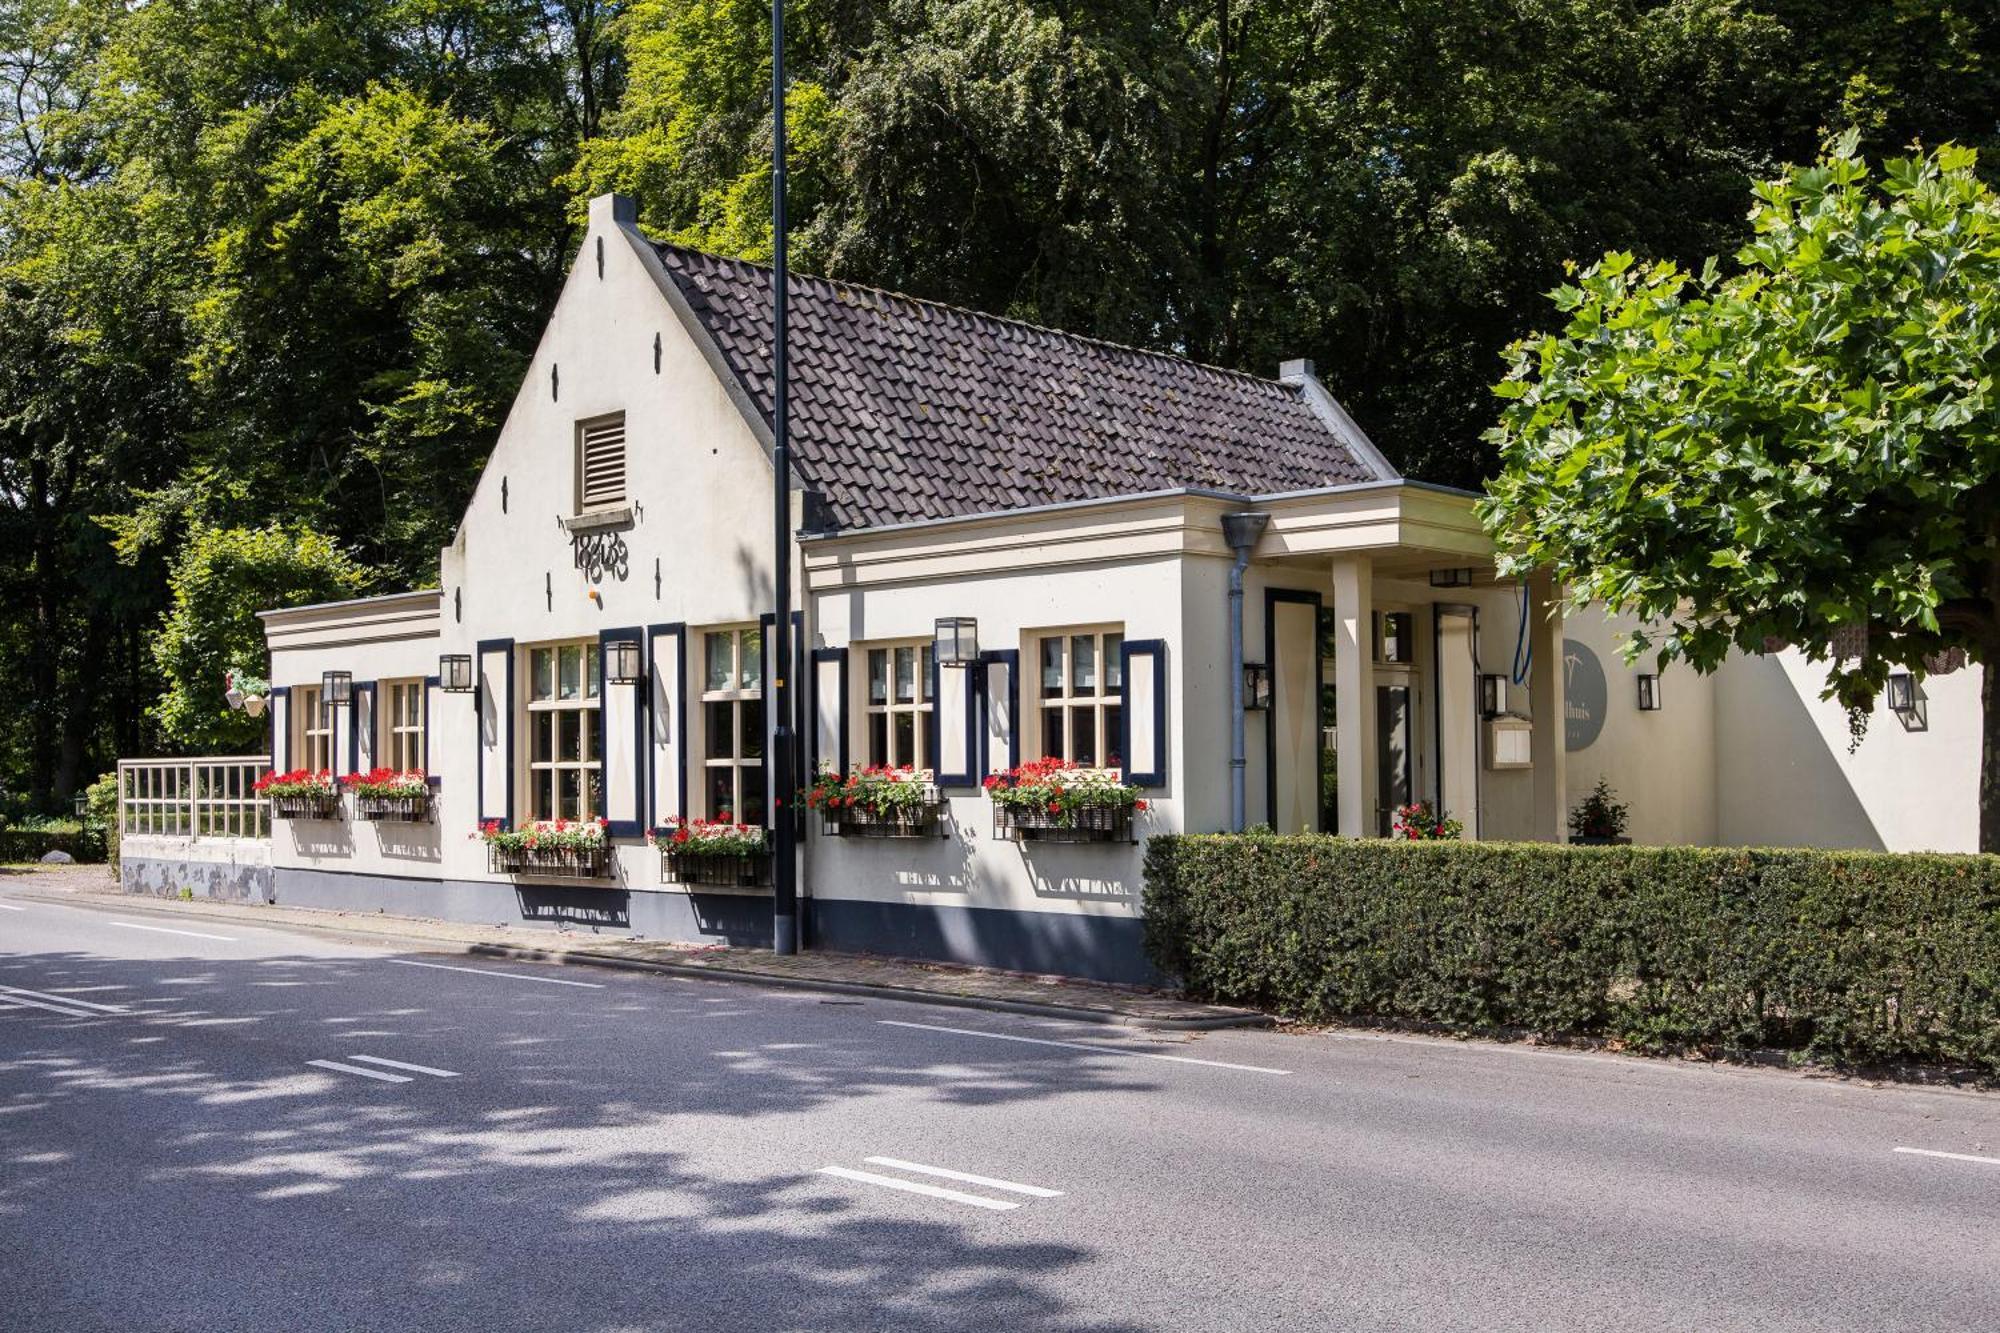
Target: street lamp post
[784,879]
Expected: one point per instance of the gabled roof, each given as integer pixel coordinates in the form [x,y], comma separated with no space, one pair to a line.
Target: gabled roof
[904,410]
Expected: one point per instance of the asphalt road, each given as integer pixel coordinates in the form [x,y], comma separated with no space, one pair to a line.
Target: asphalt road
[499,1146]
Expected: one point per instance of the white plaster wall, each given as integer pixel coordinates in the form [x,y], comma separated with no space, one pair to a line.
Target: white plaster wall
[970,867]
[1784,776]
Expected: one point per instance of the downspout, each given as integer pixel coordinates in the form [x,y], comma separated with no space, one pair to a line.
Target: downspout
[1241,531]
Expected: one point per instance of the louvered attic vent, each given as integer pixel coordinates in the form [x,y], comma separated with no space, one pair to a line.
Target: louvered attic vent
[600,463]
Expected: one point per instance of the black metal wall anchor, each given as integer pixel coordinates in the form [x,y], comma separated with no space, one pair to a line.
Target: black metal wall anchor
[601,553]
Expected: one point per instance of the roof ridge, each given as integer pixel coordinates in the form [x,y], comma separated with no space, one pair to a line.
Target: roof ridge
[949,307]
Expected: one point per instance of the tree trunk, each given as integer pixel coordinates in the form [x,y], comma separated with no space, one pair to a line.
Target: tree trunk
[1989,754]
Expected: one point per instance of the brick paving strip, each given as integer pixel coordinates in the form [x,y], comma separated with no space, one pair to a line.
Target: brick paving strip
[840,973]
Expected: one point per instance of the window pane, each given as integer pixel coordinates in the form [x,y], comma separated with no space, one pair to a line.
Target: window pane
[542,734]
[753,796]
[752,677]
[1083,736]
[924,673]
[539,786]
[1114,670]
[569,671]
[569,737]
[1052,733]
[878,738]
[571,791]
[878,675]
[542,672]
[722,793]
[752,723]
[906,739]
[1114,718]
[721,729]
[591,720]
[721,665]
[1083,664]
[906,675]
[590,671]
[1052,668]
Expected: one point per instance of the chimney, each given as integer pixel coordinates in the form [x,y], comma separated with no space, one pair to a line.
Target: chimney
[1295,373]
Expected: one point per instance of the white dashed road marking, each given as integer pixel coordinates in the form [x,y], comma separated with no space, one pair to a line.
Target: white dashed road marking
[398,1064]
[340,1068]
[1953,1156]
[169,930]
[917,1187]
[64,999]
[489,972]
[965,1177]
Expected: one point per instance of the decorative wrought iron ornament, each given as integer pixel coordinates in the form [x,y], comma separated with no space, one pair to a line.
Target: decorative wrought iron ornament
[601,553]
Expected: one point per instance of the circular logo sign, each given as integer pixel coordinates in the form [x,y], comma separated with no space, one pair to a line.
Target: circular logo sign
[1583,696]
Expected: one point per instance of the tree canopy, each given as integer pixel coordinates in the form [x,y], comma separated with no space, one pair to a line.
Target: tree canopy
[283,263]
[1804,448]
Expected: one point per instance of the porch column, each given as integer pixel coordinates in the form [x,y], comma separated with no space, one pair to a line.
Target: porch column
[1354,694]
[1550,821]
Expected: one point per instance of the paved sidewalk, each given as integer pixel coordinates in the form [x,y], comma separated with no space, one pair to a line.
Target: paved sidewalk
[841,973]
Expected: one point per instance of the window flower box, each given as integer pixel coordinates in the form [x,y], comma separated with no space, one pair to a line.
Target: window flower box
[715,855]
[548,849]
[1054,800]
[875,802]
[386,794]
[300,794]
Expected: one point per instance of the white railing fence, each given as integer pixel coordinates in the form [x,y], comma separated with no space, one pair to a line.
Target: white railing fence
[192,798]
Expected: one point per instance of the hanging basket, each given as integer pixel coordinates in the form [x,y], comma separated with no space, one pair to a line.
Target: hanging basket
[318,805]
[549,862]
[1092,823]
[712,871]
[911,821]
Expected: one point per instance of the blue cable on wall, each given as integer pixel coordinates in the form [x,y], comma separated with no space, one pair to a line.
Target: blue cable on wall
[1524,648]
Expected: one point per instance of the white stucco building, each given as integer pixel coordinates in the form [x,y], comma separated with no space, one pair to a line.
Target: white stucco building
[1069,496]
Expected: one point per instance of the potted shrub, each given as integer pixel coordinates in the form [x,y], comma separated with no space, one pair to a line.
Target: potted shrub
[246,690]
[558,848]
[1054,800]
[385,793]
[876,801]
[300,794]
[716,852]
[1420,822]
[1598,820]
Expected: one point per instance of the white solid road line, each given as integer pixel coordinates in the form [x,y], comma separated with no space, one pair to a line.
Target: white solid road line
[64,999]
[12,1001]
[965,1177]
[1954,1156]
[398,1064]
[489,972]
[9,907]
[1083,1046]
[914,1187]
[169,930]
[338,1067]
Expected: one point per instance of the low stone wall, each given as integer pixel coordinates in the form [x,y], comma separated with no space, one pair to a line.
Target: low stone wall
[233,869]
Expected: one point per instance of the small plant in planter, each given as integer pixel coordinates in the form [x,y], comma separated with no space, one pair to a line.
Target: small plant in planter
[570,848]
[1599,818]
[387,793]
[876,800]
[303,793]
[716,852]
[1420,822]
[1055,800]
[245,689]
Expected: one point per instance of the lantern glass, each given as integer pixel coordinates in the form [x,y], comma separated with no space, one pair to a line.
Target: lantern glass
[1649,693]
[1256,687]
[455,673]
[1492,694]
[621,662]
[336,688]
[1902,692]
[957,641]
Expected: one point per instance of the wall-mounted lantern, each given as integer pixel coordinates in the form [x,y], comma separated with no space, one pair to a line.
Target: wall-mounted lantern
[621,662]
[1649,692]
[1902,694]
[336,689]
[1492,695]
[455,673]
[1256,687]
[1451,578]
[957,643]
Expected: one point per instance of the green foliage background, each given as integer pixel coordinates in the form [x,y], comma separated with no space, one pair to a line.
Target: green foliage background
[1853,958]
[274,263]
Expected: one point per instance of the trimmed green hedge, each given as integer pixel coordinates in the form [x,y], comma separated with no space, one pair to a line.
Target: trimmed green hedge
[17,844]
[1850,957]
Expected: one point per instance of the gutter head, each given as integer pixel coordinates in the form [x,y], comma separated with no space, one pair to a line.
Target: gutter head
[1241,531]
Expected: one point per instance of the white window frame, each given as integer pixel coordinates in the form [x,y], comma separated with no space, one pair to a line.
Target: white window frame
[314,730]
[1102,702]
[400,710]
[919,707]
[542,787]
[740,687]
[585,430]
